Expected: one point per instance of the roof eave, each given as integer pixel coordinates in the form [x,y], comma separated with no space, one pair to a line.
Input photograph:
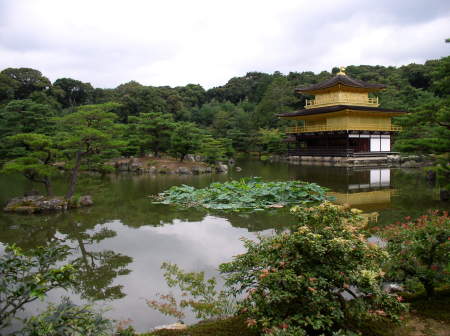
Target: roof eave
[337,108]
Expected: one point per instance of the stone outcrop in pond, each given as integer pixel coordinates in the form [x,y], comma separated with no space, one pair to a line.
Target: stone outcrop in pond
[189,166]
[221,168]
[390,161]
[41,204]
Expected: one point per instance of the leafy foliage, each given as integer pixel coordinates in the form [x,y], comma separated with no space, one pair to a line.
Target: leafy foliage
[27,276]
[279,97]
[71,92]
[7,88]
[152,131]
[245,194]
[128,331]
[37,160]
[87,137]
[26,81]
[67,318]
[442,169]
[197,292]
[185,139]
[271,141]
[427,130]
[26,116]
[313,279]
[214,150]
[135,98]
[420,250]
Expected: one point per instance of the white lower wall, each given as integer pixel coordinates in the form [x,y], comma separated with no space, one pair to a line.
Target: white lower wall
[385,145]
[375,144]
[380,143]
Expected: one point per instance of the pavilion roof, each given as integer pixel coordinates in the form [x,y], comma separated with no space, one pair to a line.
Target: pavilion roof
[342,80]
[337,108]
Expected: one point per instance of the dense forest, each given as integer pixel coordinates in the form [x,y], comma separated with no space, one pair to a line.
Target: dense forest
[42,123]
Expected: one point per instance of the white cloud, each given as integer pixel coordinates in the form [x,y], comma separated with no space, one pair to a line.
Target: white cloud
[208,42]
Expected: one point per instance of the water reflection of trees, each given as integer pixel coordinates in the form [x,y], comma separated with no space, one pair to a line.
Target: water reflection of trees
[28,231]
[97,269]
[276,219]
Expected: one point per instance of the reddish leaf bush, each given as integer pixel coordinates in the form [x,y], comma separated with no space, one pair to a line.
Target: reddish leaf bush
[420,250]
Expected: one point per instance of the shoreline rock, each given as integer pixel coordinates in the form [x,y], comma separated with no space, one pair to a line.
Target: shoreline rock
[389,161]
[42,204]
[221,168]
[174,326]
[190,166]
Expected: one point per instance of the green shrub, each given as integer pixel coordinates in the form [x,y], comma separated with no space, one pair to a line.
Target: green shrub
[128,331]
[264,158]
[314,279]
[68,319]
[74,201]
[28,276]
[214,150]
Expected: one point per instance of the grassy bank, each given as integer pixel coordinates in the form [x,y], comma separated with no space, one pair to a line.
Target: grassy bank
[425,318]
[229,327]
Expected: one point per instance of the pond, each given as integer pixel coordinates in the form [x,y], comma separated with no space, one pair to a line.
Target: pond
[123,239]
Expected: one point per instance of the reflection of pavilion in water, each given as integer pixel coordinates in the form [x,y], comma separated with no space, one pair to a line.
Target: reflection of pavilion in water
[371,191]
[365,188]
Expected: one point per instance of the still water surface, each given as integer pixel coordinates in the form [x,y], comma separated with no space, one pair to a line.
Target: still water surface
[123,239]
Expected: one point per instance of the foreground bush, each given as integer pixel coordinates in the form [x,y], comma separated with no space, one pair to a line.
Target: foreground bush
[27,276]
[68,319]
[315,279]
[245,194]
[420,250]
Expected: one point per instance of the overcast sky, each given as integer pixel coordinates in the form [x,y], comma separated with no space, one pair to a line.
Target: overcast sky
[176,42]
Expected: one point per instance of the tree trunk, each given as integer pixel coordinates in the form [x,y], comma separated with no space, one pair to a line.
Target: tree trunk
[48,187]
[429,288]
[444,195]
[84,254]
[45,181]
[156,150]
[141,152]
[74,176]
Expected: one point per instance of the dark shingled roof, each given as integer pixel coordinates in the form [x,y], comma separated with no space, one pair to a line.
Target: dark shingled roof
[343,80]
[336,108]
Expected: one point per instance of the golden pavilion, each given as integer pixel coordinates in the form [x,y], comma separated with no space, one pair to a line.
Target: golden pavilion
[342,120]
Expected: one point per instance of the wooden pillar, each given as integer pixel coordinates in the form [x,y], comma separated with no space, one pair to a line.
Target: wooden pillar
[347,143]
